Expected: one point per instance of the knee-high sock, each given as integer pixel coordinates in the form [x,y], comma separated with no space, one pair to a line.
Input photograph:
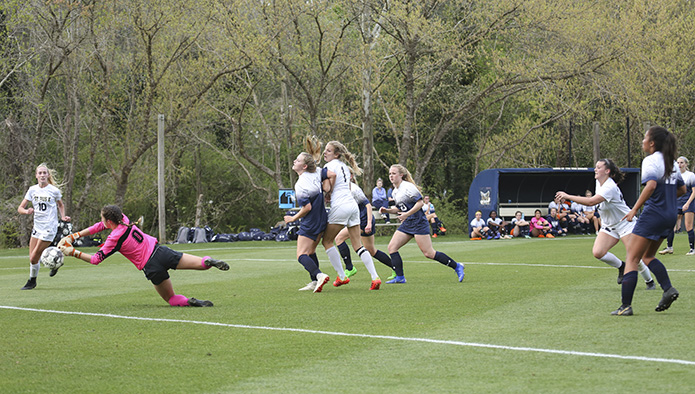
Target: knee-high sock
[611,259]
[336,261]
[368,262]
[691,239]
[202,263]
[383,258]
[34,270]
[345,254]
[397,263]
[316,259]
[309,265]
[661,274]
[178,300]
[444,259]
[644,271]
[628,289]
[669,239]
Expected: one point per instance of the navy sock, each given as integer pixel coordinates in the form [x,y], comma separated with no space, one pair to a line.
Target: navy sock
[309,265]
[660,273]
[444,259]
[628,289]
[669,239]
[315,258]
[397,263]
[383,258]
[691,238]
[345,254]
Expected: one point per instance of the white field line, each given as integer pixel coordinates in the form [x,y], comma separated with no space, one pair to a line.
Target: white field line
[386,337]
[430,262]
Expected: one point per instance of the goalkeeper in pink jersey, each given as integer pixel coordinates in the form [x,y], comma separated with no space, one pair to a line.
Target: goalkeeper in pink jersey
[142,250]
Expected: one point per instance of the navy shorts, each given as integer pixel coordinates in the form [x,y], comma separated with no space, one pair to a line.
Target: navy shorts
[418,226]
[161,261]
[655,225]
[363,225]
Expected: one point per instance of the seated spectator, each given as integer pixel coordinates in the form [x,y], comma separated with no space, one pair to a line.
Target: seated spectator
[520,226]
[592,214]
[436,224]
[562,211]
[478,227]
[555,225]
[497,226]
[539,226]
[582,223]
[380,199]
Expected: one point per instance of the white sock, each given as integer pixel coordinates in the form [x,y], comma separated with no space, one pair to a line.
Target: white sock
[610,259]
[368,262]
[644,271]
[336,261]
[34,270]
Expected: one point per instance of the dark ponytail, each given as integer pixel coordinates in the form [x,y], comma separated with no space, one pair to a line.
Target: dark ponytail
[114,214]
[613,170]
[664,142]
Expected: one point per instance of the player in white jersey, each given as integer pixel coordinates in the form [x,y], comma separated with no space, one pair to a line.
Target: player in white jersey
[663,184]
[46,201]
[686,208]
[408,207]
[344,211]
[612,209]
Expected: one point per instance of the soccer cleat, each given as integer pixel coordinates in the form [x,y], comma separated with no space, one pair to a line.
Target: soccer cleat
[691,253]
[442,229]
[393,275]
[489,237]
[31,283]
[376,283]
[621,273]
[193,302]
[651,285]
[476,238]
[624,310]
[339,282]
[666,250]
[434,235]
[397,279]
[459,271]
[351,272]
[497,236]
[310,286]
[527,236]
[321,279]
[219,264]
[550,236]
[667,299]
[541,236]
[53,272]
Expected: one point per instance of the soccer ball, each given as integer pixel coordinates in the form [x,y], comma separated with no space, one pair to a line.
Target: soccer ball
[52,258]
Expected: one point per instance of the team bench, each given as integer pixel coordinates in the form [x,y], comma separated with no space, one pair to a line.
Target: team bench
[508,210]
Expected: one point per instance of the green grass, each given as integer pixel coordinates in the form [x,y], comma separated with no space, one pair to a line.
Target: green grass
[520,296]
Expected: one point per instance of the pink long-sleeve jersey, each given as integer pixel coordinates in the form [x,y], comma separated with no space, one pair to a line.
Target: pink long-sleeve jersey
[132,242]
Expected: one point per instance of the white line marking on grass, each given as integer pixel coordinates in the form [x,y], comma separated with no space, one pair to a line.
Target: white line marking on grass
[389,337]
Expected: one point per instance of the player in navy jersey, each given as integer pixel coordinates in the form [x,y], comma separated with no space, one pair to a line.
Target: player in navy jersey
[367,226]
[662,186]
[309,193]
[408,200]
[686,208]
[46,203]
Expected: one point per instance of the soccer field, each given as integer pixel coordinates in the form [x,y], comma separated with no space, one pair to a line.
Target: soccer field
[530,316]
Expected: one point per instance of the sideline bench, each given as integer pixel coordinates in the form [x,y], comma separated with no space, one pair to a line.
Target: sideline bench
[508,210]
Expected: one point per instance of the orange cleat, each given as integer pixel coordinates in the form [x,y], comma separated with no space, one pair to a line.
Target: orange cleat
[476,239]
[434,235]
[339,282]
[376,283]
[550,236]
[541,236]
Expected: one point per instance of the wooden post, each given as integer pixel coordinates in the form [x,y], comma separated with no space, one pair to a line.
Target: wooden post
[597,150]
[160,179]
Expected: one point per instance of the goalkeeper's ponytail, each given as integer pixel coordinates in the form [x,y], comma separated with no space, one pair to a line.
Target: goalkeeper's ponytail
[114,214]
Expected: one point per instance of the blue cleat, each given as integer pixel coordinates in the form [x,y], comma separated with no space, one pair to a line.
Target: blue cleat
[397,279]
[459,271]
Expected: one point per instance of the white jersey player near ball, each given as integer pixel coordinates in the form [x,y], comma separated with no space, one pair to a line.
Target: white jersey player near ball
[611,208]
[46,202]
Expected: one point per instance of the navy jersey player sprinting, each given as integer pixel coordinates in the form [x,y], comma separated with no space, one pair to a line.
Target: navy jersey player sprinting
[414,224]
[662,186]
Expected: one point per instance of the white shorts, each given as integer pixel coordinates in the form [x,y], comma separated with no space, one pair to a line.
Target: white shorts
[621,230]
[45,233]
[344,214]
